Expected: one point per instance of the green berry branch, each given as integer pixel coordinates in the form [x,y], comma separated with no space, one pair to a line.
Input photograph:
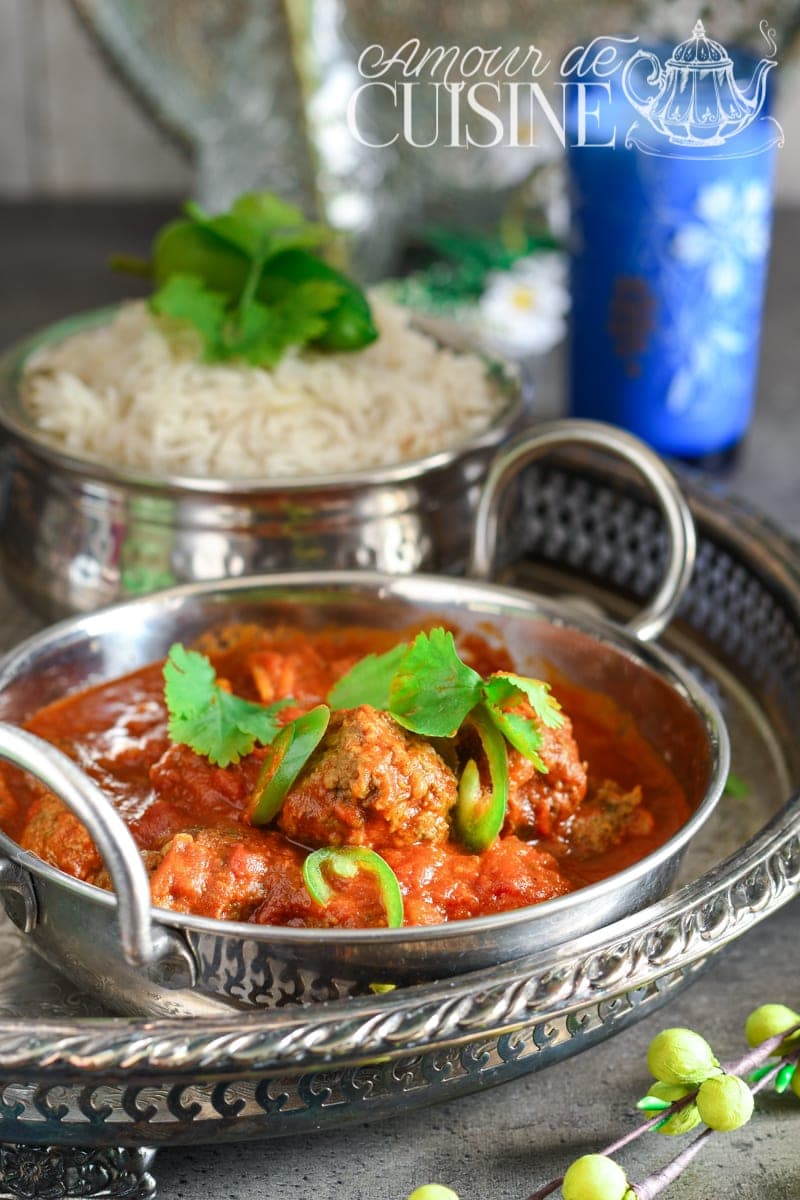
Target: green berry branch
[691,1087]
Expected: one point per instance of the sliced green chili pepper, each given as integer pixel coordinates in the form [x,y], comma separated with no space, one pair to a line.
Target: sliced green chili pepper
[479,814]
[345,861]
[288,754]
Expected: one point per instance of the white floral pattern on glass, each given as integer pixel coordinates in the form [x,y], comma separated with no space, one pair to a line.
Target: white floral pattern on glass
[731,229]
[718,247]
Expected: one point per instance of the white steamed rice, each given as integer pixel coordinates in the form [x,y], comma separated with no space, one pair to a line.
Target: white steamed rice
[133,393]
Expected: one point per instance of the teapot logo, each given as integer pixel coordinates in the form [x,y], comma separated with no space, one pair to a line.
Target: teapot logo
[695,100]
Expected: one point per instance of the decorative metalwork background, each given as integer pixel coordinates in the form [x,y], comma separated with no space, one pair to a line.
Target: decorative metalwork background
[259,89]
[64,1172]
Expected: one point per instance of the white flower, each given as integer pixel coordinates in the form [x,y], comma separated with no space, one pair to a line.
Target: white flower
[522,311]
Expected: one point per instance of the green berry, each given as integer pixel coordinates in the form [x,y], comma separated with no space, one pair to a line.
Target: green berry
[594,1177]
[681,1056]
[680,1122]
[433,1191]
[769,1020]
[725,1103]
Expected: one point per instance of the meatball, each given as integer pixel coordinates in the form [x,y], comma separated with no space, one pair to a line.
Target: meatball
[445,883]
[52,832]
[370,782]
[354,903]
[539,803]
[227,872]
[609,814]
[240,874]
[515,873]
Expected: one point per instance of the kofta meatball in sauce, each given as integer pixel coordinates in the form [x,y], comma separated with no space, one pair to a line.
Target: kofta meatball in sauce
[604,799]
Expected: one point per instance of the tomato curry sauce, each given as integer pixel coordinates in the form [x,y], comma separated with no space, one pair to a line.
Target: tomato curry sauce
[606,799]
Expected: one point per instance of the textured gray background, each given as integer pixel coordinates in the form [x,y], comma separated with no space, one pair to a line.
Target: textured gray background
[503,1143]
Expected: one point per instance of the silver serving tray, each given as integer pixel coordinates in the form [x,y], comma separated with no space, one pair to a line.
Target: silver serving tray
[71,1076]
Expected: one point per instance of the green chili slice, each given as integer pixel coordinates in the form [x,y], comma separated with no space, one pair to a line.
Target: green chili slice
[288,754]
[479,814]
[346,861]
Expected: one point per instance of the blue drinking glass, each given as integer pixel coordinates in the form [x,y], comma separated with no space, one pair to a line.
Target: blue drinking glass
[669,250]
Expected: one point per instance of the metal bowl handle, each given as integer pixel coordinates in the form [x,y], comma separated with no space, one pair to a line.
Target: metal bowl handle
[117,848]
[534,444]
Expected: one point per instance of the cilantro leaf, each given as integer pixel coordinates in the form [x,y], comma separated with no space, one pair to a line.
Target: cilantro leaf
[429,690]
[260,224]
[542,701]
[523,733]
[368,682]
[251,284]
[209,719]
[736,787]
[262,332]
[433,690]
[502,692]
[186,298]
[267,212]
[189,681]
[280,225]
[258,333]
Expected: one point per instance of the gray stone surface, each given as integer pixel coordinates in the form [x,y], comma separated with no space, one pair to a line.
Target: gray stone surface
[503,1143]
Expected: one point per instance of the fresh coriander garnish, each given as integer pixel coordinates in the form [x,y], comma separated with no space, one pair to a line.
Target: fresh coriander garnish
[206,717]
[251,283]
[259,223]
[432,690]
[186,298]
[502,694]
[428,689]
[368,682]
[736,787]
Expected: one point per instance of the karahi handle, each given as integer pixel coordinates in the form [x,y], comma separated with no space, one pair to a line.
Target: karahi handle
[551,435]
[161,952]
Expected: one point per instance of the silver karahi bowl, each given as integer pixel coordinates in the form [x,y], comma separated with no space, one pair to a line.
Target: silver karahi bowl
[76,534]
[139,959]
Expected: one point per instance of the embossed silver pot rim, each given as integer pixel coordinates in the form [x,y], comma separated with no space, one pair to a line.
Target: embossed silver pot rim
[436,591]
[14,420]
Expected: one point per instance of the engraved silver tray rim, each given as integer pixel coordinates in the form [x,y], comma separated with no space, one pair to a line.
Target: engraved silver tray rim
[664,938]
